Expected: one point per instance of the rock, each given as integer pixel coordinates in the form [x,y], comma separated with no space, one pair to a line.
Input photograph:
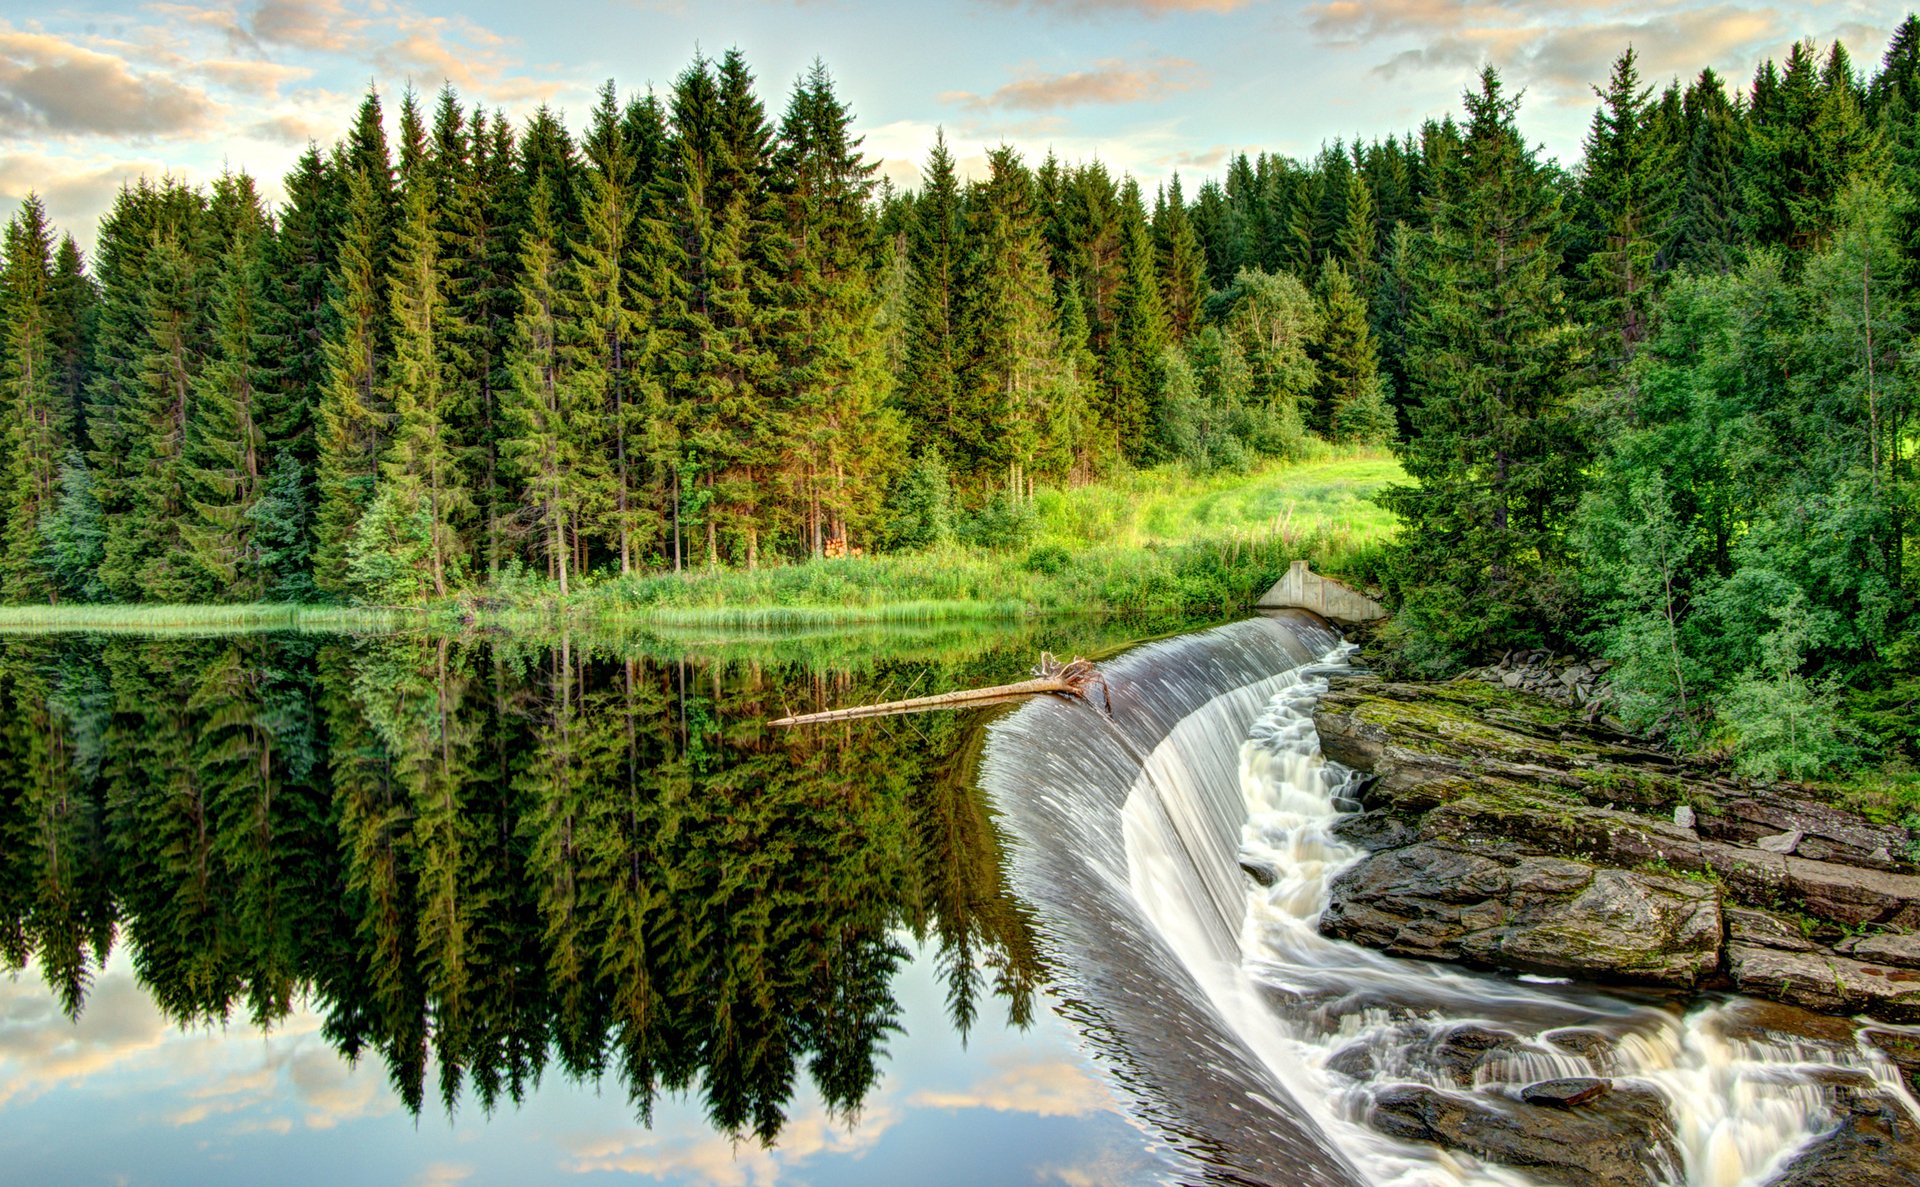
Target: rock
[1568,1093]
[1851,896]
[1374,831]
[1528,913]
[1750,1020]
[1901,949]
[1825,982]
[1513,679]
[1683,816]
[1876,1144]
[1781,843]
[1621,1140]
[1260,871]
[1747,925]
[1592,1045]
[1355,1061]
[1826,833]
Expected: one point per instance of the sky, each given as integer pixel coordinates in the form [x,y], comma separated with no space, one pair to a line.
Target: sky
[93,95]
[228,1105]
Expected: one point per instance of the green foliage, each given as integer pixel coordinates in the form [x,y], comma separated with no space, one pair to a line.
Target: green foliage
[1003,523]
[922,510]
[390,560]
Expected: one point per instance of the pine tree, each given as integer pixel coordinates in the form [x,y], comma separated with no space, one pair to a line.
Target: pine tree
[38,415]
[1707,210]
[613,306]
[1494,451]
[420,468]
[1183,266]
[1623,192]
[929,383]
[553,389]
[1352,408]
[840,435]
[1007,322]
[225,443]
[351,421]
[1140,336]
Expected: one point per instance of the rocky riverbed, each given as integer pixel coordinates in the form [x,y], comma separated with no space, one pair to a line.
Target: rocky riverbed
[1506,829]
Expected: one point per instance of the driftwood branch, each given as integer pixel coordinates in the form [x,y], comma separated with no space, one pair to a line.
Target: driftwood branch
[1076,678]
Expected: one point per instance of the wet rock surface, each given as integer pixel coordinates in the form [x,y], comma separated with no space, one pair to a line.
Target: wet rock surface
[1619,1138]
[1513,832]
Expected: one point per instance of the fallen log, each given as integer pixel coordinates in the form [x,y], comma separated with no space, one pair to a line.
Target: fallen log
[1075,678]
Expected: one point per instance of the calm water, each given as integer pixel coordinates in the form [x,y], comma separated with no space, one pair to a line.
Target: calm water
[421,911]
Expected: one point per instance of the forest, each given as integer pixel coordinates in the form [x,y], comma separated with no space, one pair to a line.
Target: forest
[1656,404]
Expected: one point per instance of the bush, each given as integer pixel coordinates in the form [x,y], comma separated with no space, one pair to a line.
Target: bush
[1049,559]
[1004,523]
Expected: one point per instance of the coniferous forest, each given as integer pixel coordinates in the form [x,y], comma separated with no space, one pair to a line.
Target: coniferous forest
[1655,404]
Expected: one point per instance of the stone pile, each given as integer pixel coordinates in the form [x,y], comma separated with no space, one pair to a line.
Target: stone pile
[1563,679]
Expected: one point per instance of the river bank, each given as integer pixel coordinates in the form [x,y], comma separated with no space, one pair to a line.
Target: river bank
[1509,832]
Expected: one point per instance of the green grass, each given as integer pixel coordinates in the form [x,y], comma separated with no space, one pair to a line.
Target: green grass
[1150,542]
[209,620]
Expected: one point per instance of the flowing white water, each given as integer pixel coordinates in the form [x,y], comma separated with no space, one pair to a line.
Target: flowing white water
[1223,1004]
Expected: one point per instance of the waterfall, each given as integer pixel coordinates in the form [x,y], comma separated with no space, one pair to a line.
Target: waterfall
[1216,1001]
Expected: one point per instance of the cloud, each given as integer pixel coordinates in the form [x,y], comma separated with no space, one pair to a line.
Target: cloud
[1111,81]
[51,85]
[251,77]
[325,26]
[1151,8]
[40,1050]
[717,1160]
[1022,1084]
[1559,50]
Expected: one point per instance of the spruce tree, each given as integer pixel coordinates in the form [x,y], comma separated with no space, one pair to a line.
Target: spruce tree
[38,415]
[225,443]
[1140,336]
[1012,345]
[1494,452]
[1352,409]
[928,394]
[1356,245]
[298,318]
[612,305]
[351,421]
[1182,263]
[1623,190]
[75,300]
[839,434]
[1706,220]
[420,469]
[547,407]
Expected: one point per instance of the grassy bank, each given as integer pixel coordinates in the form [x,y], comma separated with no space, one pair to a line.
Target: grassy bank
[1150,542]
[190,620]
[1155,542]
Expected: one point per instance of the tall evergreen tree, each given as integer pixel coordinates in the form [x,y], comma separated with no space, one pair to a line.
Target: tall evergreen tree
[38,414]
[1140,338]
[1623,192]
[929,383]
[1494,452]
[1183,265]
[841,435]
[351,420]
[225,442]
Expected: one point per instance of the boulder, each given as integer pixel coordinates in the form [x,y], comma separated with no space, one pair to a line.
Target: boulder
[1826,982]
[1901,949]
[1623,1139]
[1488,905]
[1876,1144]
[1568,1093]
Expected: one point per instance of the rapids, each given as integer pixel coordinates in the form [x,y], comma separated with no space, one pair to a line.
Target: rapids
[1220,1007]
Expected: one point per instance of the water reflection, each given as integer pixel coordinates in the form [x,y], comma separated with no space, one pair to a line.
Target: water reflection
[479,858]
